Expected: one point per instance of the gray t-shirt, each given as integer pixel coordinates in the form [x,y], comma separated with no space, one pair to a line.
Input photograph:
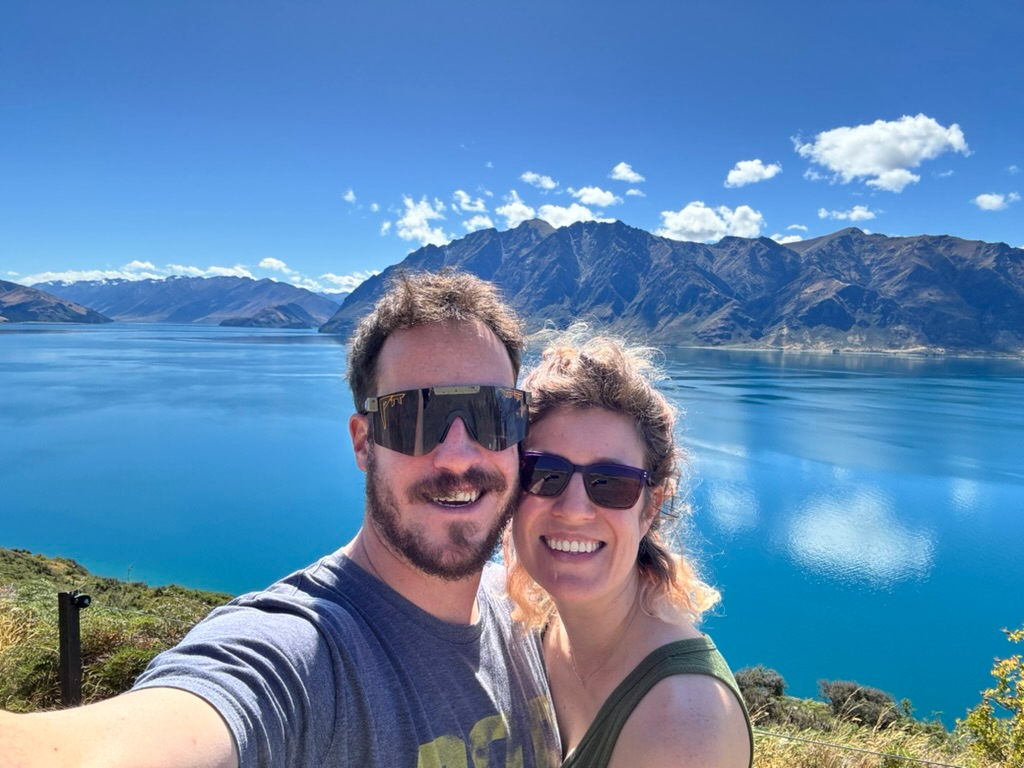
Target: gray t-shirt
[331,667]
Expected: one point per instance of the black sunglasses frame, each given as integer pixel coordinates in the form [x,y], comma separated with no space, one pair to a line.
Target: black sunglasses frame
[595,478]
[415,421]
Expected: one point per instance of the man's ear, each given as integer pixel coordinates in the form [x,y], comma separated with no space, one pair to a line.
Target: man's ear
[358,430]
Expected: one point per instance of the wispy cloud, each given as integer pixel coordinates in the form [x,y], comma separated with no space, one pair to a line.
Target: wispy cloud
[340,283]
[751,171]
[595,196]
[1013,170]
[995,202]
[635,193]
[801,227]
[857,213]
[515,211]
[349,196]
[882,153]
[478,222]
[783,239]
[697,222]
[136,270]
[541,182]
[559,216]
[414,224]
[625,172]
[466,203]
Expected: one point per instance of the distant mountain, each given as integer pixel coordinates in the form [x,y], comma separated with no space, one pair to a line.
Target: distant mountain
[848,290]
[22,304]
[281,316]
[208,300]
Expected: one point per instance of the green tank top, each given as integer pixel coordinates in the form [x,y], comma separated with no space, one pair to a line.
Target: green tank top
[696,656]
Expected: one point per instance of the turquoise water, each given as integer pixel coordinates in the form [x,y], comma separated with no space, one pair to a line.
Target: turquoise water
[862,515]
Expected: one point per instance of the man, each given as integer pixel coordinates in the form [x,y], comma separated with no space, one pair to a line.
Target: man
[391,651]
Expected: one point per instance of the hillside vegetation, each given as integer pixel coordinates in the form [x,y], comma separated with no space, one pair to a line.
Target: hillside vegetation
[128,623]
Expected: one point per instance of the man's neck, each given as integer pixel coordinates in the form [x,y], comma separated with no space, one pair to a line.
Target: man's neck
[452,601]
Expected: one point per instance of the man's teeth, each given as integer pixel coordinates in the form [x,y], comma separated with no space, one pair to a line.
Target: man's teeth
[460,497]
[563,545]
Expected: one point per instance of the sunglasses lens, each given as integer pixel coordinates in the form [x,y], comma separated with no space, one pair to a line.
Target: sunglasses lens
[414,421]
[397,423]
[543,474]
[613,485]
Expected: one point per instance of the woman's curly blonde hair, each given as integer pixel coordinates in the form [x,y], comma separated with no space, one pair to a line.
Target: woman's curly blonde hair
[579,371]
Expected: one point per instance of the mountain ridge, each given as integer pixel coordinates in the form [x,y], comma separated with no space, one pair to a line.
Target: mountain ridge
[848,290]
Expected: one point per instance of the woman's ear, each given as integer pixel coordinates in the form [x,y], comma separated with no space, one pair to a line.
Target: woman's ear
[655,498]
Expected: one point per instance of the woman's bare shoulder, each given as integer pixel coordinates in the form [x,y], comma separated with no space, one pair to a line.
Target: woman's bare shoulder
[685,720]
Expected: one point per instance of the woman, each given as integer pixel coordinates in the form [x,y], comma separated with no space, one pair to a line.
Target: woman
[634,682]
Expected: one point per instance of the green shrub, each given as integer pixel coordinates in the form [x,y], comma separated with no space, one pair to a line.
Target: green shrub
[998,734]
[859,704]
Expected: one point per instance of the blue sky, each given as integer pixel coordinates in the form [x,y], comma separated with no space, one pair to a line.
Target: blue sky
[319,142]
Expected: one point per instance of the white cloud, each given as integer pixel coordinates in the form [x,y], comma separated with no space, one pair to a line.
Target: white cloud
[136,270]
[349,196]
[945,174]
[1013,170]
[236,271]
[541,182]
[783,239]
[751,171]
[635,193]
[595,196]
[414,224]
[801,227]
[515,211]
[698,223]
[994,202]
[374,207]
[883,152]
[625,172]
[812,175]
[478,222]
[558,216]
[275,264]
[488,164]
[385,227]
[857,213]
[347,282]
[464,202]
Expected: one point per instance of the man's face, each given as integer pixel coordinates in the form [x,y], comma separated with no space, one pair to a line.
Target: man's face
[442,512]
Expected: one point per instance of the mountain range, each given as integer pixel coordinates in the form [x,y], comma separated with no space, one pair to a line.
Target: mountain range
[849,290]
[207,300]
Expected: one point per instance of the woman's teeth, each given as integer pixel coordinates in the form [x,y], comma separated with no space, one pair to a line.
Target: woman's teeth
[563,545]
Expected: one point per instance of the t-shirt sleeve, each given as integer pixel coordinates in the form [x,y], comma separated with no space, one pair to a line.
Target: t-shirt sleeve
[269,675]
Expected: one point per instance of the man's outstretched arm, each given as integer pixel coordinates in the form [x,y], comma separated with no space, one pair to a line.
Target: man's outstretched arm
[150,728]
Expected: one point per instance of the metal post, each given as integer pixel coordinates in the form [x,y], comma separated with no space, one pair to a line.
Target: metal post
[69,604]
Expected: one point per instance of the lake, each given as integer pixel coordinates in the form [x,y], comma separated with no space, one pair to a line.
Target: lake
[862,514]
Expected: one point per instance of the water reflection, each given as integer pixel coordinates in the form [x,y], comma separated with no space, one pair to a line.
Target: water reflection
[734,508]
[852,535]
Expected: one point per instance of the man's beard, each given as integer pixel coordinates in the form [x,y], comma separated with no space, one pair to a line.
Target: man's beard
[459,557]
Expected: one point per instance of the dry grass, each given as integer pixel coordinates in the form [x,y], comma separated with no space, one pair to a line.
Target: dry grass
[852,746]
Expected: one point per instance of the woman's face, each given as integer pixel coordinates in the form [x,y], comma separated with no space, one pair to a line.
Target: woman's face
[546,530]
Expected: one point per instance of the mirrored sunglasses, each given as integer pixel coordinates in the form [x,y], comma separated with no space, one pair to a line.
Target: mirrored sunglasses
[414,421]
[615,486]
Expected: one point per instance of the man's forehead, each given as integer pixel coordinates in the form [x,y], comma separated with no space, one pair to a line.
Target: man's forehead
[443,353]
